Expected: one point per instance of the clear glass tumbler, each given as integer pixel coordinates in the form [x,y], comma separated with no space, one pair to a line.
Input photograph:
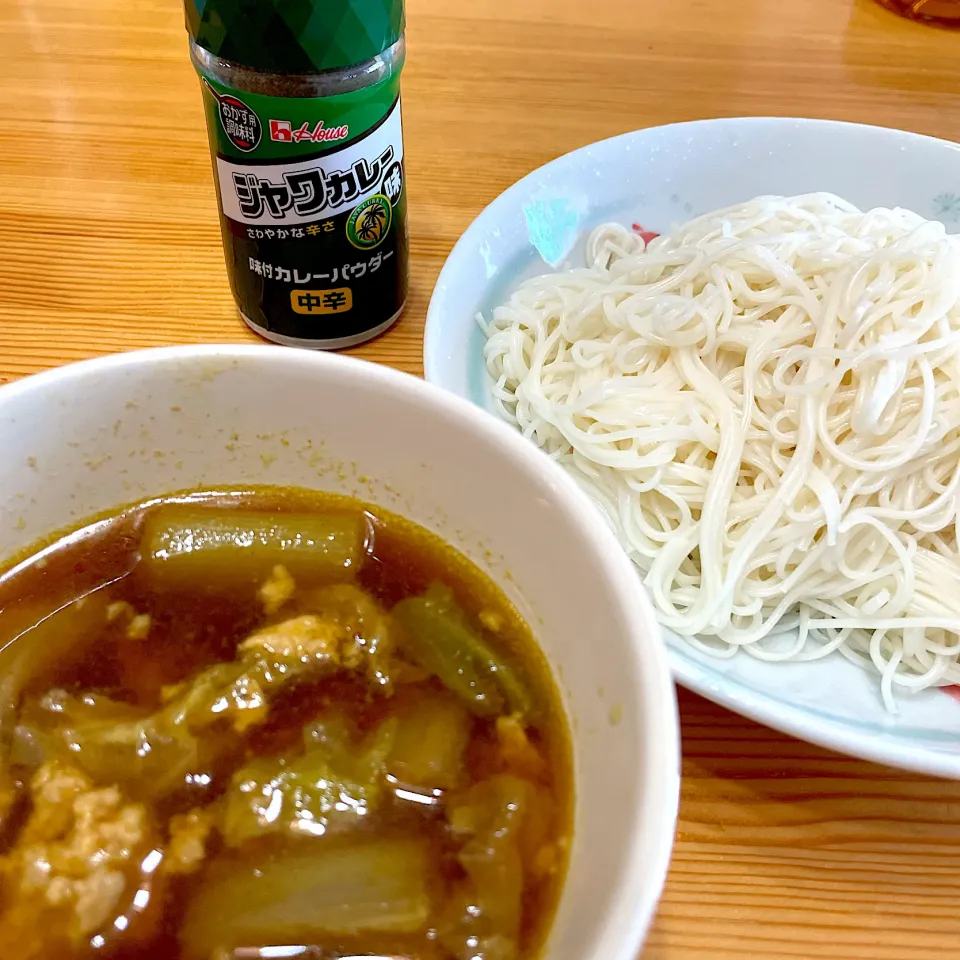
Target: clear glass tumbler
[944,12]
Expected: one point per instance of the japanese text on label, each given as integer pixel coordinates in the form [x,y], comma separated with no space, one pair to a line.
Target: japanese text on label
[296,193]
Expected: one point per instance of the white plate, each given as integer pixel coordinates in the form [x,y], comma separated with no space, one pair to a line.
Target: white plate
[659,178]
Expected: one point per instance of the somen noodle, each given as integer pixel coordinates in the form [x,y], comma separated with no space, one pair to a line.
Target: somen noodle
[765,405]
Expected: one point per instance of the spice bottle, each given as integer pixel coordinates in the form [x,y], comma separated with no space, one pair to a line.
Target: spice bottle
[302,99]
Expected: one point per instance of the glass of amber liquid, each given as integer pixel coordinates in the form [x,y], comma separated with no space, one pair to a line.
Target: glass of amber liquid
[944,12]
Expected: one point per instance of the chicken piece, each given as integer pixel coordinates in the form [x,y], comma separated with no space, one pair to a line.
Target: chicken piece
[73,863]
[118,609]
[492,620]
[138,624]
[267,659]
[54,788]
[365,627]
[189,833]
[296,644]
[277,589]
[139,627]
[520,756]
[549,859]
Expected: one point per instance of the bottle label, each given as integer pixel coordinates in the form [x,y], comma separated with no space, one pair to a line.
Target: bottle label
[313,206]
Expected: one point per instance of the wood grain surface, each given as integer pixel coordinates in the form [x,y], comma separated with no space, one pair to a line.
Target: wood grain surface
[109,241]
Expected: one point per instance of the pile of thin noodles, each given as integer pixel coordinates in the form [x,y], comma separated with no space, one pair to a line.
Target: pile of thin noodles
[765,405]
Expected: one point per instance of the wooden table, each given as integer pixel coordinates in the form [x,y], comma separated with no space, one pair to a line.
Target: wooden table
[109,242]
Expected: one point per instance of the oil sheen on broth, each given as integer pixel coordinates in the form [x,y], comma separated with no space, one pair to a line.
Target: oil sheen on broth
[271,718]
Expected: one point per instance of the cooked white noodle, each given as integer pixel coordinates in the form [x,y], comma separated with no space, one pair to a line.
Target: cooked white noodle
[765,405]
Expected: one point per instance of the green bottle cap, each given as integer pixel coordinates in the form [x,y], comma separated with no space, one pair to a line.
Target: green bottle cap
[295,36]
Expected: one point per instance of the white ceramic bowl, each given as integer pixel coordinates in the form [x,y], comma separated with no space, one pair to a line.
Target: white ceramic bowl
[661,177]
[96,435]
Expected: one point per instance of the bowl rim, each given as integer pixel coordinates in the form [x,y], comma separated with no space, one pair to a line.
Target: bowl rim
[635,898]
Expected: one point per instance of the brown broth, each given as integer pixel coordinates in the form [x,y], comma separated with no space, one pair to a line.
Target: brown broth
[195,626]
